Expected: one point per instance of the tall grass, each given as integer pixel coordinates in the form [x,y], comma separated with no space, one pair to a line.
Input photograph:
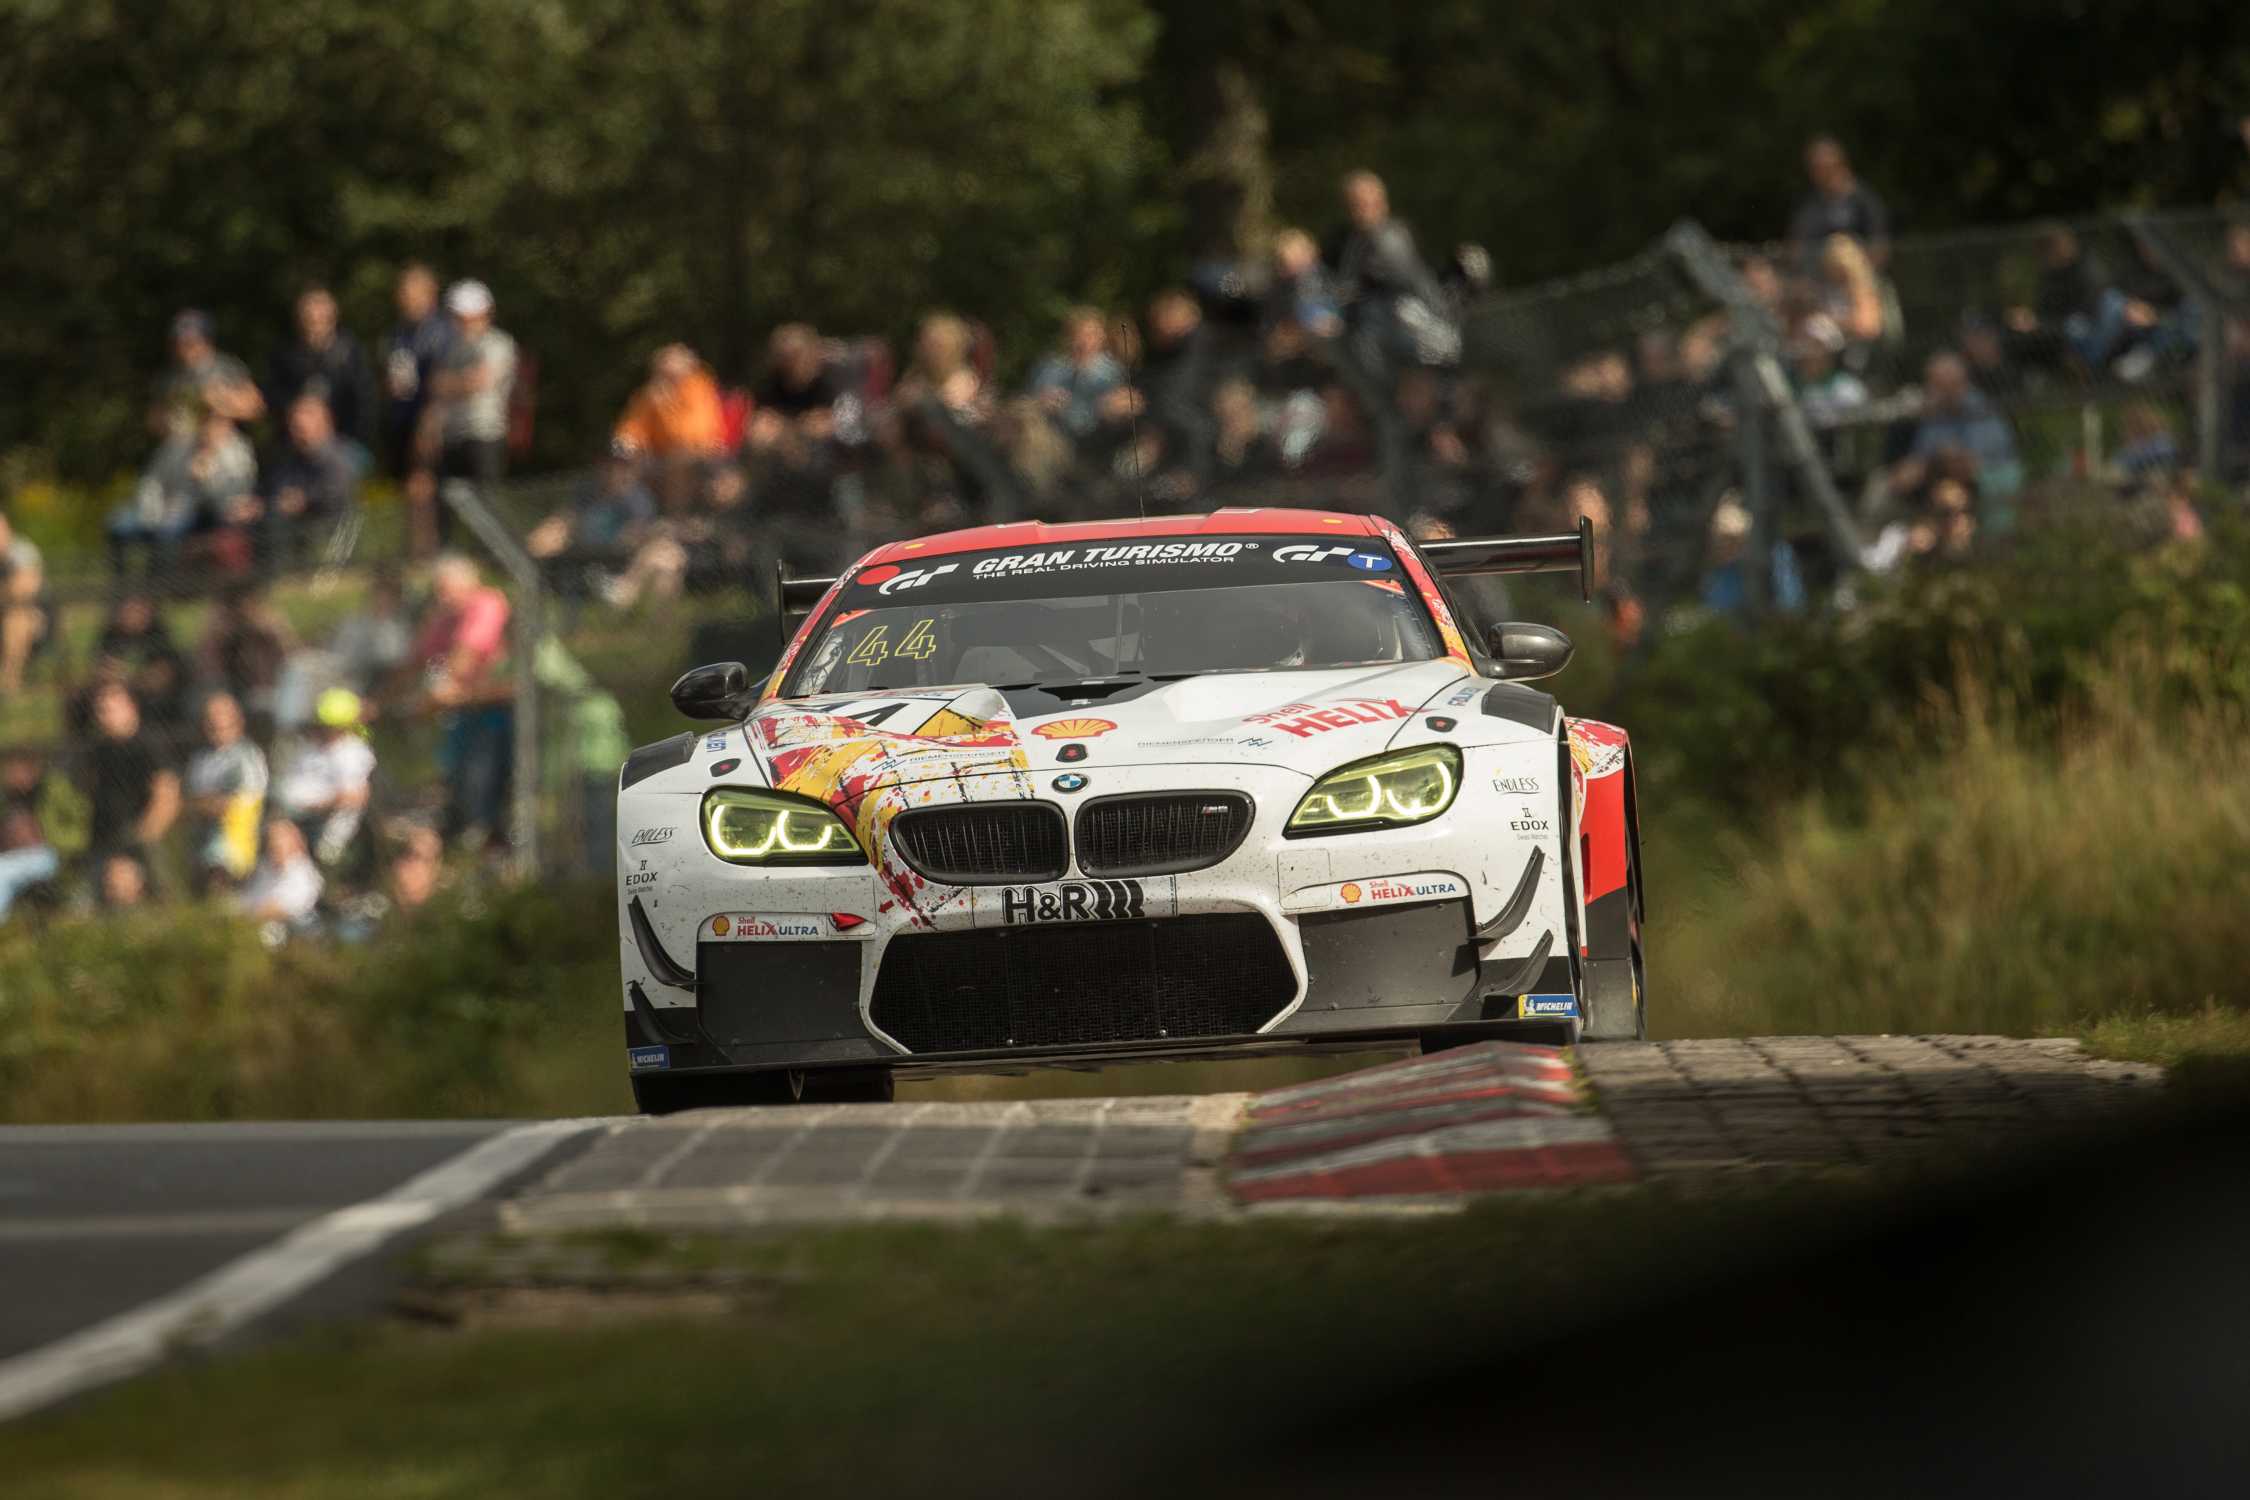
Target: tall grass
[2004,871]
[496,1002]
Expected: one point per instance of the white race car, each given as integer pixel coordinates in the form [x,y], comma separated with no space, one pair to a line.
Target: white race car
[1033,794]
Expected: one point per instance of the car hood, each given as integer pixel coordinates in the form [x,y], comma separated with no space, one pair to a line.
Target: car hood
[835,746]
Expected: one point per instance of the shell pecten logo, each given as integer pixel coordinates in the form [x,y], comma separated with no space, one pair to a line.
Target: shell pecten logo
[1350,892]
[1073,729]
[719,926]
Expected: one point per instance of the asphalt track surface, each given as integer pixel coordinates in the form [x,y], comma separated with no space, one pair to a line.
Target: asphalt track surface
[120,1245]
[98,1219]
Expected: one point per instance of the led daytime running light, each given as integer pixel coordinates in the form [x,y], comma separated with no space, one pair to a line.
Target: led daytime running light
[1391,791]
[748,827]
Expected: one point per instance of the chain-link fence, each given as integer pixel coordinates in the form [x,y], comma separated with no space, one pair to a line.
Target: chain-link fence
[1747,427]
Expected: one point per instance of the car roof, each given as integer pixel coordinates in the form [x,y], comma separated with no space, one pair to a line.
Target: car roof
[1232,521]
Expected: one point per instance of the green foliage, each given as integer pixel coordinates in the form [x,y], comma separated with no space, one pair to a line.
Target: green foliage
[623,174]
[493,1003]
[2020,870]
[1563,134]
[1745,717]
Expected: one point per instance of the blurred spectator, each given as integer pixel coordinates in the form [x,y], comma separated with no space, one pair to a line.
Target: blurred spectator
[134,630]
[285,888]
[1082,386]
[468,403]
[2150,454]
[943,373]
[1176,374]
[416,870]
[27,786]
[2078,310]
[24,607]
[1393,307]
[1953,513]
[27,861]
[594,724]
[316,483]
[1985,346]
[226,793]
[243,651]
[324,788]
[675,415]
[1961,435]
[411,352]
[1302,291]
[1726,581]
[586,546]
[137,649]
[1848,291]
[201,479]
[1828,392]
[463,648]
[121,880]
[131,781]
[1838,203]
[324,362]
[374,642]
[799,388]
[201,380]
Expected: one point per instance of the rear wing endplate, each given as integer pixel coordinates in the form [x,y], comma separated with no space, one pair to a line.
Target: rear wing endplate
[1572,552]
[798,595]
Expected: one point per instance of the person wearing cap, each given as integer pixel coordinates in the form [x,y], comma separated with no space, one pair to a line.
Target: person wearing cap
[202,380]
[470,392]
[327,784]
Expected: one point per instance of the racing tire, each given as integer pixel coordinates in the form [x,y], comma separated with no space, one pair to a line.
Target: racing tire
[1616,1002]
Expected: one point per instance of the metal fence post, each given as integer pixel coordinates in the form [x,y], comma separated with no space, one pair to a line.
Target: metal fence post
[2210,391]
[1757,485]
[2159,237]
[1763,391]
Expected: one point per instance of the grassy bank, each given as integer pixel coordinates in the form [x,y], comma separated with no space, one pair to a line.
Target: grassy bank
[914,1360]
[492,1002]
[2084,870]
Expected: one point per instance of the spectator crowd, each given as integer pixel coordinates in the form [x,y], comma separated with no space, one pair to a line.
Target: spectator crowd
[238,766]
[1326,370]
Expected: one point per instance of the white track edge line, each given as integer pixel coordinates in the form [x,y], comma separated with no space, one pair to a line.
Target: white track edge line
[256,1283]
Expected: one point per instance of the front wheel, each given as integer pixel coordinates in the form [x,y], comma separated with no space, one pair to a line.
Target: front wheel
[1617,989]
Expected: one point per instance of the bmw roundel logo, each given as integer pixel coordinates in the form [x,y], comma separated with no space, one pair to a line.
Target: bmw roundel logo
[1069,781]
[1369,562]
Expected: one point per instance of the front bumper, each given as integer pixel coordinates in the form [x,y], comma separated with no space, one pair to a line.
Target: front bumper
[1285,942]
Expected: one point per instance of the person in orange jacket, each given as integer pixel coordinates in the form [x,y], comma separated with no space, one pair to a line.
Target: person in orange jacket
[676,414]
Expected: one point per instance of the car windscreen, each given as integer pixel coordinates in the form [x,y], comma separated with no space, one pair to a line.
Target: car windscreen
[1163,607]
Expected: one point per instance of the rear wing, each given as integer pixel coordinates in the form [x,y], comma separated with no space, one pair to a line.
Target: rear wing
[798,595]
[1572,552]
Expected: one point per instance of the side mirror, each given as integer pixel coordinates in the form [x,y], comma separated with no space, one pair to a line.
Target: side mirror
[1525,651]
[719,691]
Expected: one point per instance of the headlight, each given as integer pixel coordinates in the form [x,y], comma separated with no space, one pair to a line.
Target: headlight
[747,827]
[1389,791]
